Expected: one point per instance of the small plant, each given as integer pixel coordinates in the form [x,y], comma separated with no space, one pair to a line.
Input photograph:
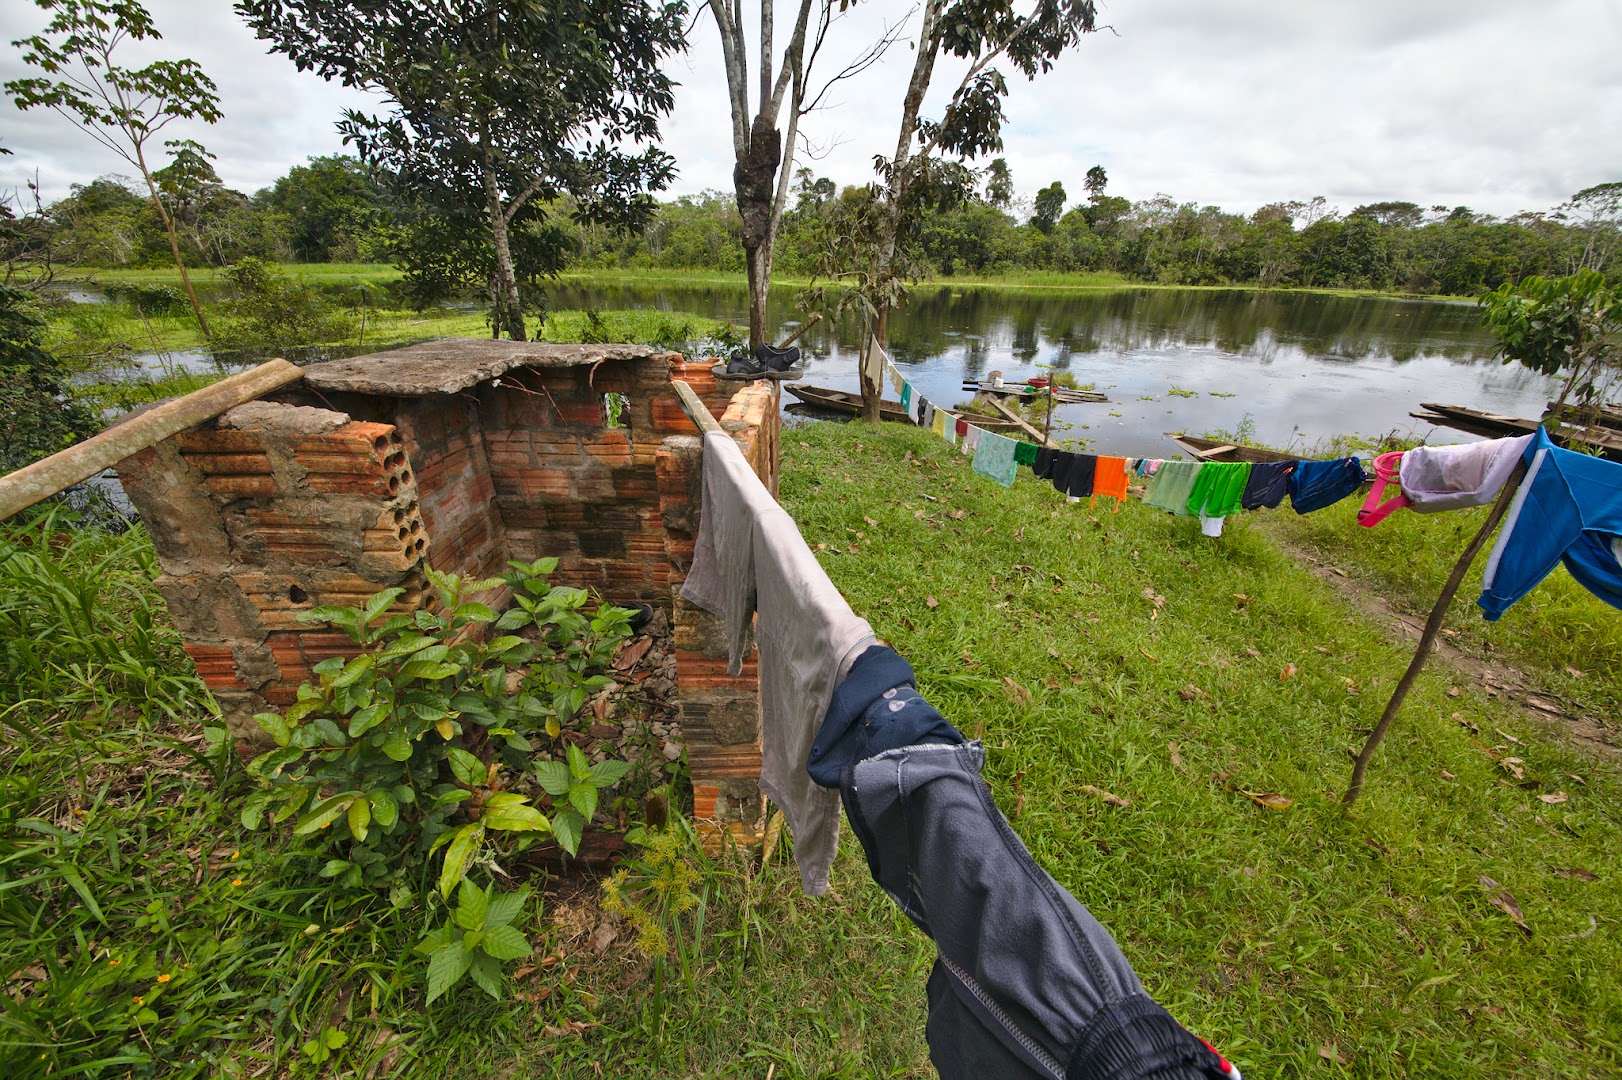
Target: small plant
[576,782]
[479,938]
[270,311]
[320,1049]
[653,891]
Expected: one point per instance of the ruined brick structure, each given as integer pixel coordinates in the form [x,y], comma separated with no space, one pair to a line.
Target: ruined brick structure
[460,455]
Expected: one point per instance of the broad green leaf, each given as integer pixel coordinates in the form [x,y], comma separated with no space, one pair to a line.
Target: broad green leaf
[329,733]
[568,827]
[334,867]
[353,671]
[397,745]
[330,666]
[403,794]
[378,604]
[446,729]
[274,726]
[471,904]
[516,818]
[360,818]
[486,971]
[553,776]
[583,797]
[452,797]
[428,669]
[504,907]
[446,968]
[253,809]
[457,856]
[368,718]
[348,618]
[476,613]
[504,643]
[512,619]
[385,810]
[516,742]
[579,766]
[467,768]
[407,645]
[608,773]
[505,943]
[324,813]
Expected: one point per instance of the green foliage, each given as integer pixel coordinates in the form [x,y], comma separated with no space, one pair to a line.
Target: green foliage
[574,785]
[146,299]
[1567,325]
[479,938]
[41,416]
[270,312]
[653,891]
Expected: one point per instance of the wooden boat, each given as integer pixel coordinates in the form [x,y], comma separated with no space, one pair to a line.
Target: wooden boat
[1497,426]
[844,401]
[1212,450]
[1608,416]
[1062,395]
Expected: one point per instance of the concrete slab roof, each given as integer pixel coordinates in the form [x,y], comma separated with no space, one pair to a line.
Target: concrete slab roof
[449,365]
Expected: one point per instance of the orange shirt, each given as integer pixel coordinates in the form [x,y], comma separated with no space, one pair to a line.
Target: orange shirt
[1110,479]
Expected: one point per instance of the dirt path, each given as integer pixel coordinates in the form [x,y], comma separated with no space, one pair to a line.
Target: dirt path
[1510,685]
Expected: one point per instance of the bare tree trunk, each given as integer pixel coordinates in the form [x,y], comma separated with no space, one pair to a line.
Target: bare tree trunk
[174,244]
[509,309]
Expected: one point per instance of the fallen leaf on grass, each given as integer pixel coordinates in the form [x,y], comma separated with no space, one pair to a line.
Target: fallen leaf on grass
[1446,775]
[1176,759]
[1018,692]
[1508,736]
[1322,648]
[919,514]
[1190,692]
[1512,765]
[1503,901]
[1287,674]
[1154,598]
[1576,873]
[931,602]
[1253,654]
[1574,673]
[1147,653]
[1270,799]
[1553,798]
[958,515]
[1100,793]
[1454,691]
[871,522]
[1241,599]
[568,1027]
[632,654]
[1328,1052]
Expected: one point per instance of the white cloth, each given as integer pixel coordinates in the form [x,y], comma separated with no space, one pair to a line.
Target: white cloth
[750,558]
[1211,526]
[1437,478]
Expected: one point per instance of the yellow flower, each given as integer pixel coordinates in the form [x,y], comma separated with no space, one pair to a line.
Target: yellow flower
[236,854]
[236,881]
[113,963]
[183,967]
[164,978]
[140,1001]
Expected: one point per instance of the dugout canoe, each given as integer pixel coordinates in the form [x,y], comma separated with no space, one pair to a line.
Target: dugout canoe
[1212,450]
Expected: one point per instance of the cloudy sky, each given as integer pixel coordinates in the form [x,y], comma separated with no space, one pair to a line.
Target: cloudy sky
[1499,105]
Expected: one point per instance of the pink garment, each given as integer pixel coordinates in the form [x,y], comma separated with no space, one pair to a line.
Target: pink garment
[1437,478]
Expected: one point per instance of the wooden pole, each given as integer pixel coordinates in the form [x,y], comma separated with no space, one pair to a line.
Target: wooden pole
[1047,421]
[1433,626]
[39,481]
[809,323]
[1019,420]
[693,406]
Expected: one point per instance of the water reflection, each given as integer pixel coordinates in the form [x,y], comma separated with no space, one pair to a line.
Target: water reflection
[1298,368]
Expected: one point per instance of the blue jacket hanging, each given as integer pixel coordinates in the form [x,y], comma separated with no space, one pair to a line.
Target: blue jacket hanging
[1317,484]
[1569,509]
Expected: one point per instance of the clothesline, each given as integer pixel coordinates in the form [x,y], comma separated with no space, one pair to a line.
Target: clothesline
[1568,511]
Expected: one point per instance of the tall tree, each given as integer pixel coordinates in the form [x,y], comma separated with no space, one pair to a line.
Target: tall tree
[1095,183]
[763,153]
[496,109]
[999,184]
[1048,207]
[122,108]
[981,32]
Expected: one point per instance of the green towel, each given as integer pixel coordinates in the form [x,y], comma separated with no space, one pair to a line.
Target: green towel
[1171,485]
[1218,489]
[1025,453]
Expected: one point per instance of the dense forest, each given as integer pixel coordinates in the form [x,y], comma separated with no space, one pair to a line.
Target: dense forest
[332,209]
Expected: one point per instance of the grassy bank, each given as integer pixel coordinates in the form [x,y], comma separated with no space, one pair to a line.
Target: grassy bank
[1091,650]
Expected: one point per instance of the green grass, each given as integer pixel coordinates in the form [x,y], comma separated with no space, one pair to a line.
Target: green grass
[1080,645]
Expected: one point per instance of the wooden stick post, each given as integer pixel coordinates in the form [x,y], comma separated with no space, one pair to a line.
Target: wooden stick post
[39,481]
[1433,626]
[808,324]
[693,406]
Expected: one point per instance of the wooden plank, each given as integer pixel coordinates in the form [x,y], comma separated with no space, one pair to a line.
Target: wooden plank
[39,481]
[1036,436]
[693,406]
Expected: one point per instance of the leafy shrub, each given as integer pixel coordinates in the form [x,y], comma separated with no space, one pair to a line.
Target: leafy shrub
[267,310]
[41,416]
[148,299]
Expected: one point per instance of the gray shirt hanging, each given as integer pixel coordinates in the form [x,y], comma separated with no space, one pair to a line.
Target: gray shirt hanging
[749,558]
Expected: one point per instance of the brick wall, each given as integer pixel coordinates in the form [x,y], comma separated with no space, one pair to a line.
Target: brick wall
[359,477]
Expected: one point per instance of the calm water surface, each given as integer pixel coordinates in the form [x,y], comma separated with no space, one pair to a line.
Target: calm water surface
[1295,368]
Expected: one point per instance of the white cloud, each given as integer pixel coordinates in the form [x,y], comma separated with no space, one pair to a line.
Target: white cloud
[1498,105]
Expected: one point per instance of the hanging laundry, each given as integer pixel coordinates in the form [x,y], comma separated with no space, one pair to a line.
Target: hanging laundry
[906,397]
[896,380]
[1219,489]
[1171,486]
[1025,453]
[928,418]
[1211,526]
[1047,459]
[1078,478]
[937,423]
[962,427]
[1109,478]
[1268,484]
[971,441]
[995,458]
[1317,484]
[750,565]
[1568,509]
[1437,478]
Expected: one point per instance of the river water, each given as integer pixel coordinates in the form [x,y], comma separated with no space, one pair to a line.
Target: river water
[1290,369]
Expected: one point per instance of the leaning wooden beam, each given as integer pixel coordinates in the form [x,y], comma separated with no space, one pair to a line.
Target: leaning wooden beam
[1433,626]
[693,406]
[1041,440]
[39,481]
